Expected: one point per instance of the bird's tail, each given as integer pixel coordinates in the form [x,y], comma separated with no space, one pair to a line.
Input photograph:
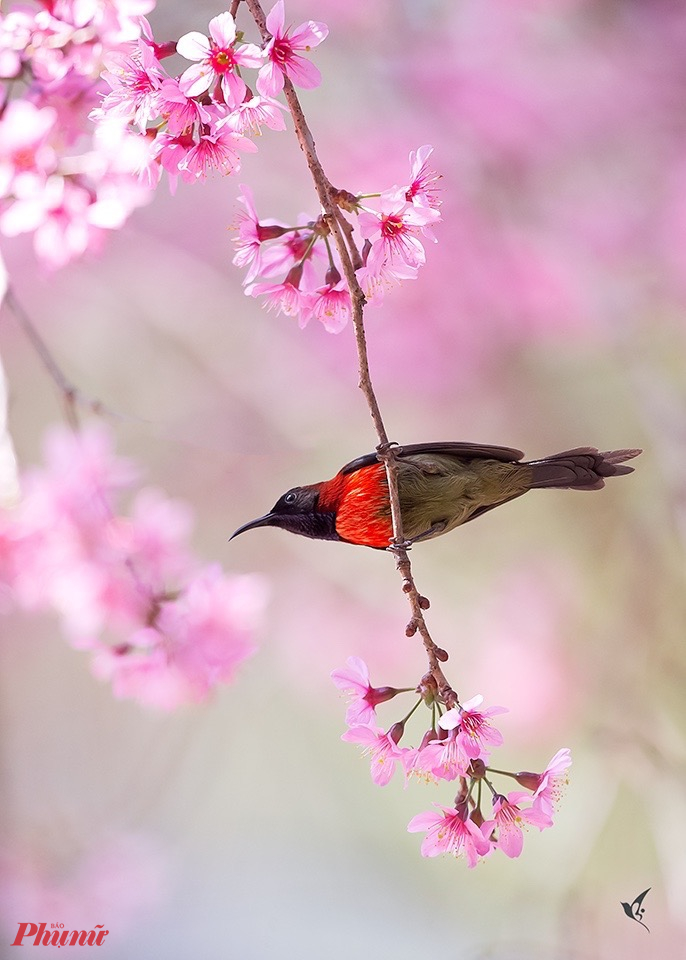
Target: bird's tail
[584,468]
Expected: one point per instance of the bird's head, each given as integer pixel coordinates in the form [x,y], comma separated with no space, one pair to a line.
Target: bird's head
[298,511]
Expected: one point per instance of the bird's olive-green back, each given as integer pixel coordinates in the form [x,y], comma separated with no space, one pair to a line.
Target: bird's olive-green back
[438,492]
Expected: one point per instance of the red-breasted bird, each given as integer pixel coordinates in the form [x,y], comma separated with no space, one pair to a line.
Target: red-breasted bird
[441,485]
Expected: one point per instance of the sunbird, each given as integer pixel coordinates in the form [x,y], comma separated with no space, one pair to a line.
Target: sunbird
[440,487]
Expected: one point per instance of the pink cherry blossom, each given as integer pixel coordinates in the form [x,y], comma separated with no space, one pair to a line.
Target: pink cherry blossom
[283,298]
[354,680]
[509,818]
[180,111]
[331,305]
[394,233]
[135,81]
[444,759]
[251,236]
[256,112]
[447,831]
[552,782]
[215,152]
[474,730]
[422,189]
[218,58]
[198,640]
[282,54]
[160,627]
[384,751]
[378,279]
[26,156]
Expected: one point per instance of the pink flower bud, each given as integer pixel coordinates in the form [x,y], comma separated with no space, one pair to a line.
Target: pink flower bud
[531,781]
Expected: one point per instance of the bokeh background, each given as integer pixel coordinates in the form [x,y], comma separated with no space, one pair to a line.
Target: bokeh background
[550,314]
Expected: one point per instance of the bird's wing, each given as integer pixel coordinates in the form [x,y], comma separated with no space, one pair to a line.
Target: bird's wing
[466,451]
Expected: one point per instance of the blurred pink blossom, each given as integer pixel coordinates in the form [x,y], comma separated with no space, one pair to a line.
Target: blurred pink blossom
[119,880]
[161,628]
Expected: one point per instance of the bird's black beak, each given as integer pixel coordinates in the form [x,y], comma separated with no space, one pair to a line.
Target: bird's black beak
[268,520]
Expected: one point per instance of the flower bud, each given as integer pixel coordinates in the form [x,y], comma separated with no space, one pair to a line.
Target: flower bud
[332,276]
[477,769]
[380,695]
[396,731]
[531,781]
[295,275]
[269,231]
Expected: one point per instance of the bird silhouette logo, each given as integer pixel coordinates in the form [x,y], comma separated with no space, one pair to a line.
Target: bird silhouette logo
[635,910]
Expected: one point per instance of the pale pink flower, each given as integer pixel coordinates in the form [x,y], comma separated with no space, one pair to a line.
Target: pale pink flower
[256,112]
[475,732]
[354,680]
[444,759]
[509,819]
[447,831]
[251,236]
[283,298]
[179,110]
[215,152]
[551,782]
[282,54]
[422,189]
[135,83]
[218,58]
[58,215]
[331,305]
[26,156]
[394,233]
[384,751]
[376,280]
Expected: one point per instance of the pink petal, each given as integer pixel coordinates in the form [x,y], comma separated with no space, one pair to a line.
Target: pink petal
[249,55]
[303,73]
[309,34]
[223,29]
[424,821]
[269,80]
[193,46]
[276,18]
[196,80]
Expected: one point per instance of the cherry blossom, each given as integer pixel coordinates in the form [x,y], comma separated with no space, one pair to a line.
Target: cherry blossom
[283,59]
[384,751]
[449,830]
[218,57]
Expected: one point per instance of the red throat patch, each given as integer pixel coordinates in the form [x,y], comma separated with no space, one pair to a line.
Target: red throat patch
[360,501]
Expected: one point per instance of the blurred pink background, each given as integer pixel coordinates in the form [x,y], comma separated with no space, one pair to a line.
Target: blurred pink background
[549,315]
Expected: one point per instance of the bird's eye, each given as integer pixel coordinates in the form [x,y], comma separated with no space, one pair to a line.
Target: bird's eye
[290,498]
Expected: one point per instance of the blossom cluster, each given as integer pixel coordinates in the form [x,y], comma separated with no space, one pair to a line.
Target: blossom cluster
[162,628]
[392,225]
[201,120]
[457,746]
[63,179]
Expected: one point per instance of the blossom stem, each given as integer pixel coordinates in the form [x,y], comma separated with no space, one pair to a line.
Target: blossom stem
[413,710]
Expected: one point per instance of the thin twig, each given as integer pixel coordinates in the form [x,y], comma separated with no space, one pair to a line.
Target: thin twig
[341,233]
[71,395]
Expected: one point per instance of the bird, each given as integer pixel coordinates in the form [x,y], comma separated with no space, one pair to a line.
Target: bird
[440,487]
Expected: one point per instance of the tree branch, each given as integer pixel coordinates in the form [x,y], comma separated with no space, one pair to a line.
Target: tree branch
[385,449]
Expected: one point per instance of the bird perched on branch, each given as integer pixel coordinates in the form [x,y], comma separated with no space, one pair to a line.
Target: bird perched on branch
[440,486]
